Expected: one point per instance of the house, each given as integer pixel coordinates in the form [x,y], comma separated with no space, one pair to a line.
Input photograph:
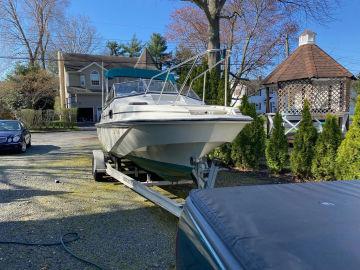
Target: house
[81,79]
[309,73]
[256,93]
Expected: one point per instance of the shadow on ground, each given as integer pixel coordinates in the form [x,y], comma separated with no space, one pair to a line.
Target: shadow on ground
[11,195]
[34,150]
[120,239]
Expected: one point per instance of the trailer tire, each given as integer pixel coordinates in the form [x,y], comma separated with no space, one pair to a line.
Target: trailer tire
[98,166]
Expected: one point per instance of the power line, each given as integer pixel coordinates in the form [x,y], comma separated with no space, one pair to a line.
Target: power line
[123,61]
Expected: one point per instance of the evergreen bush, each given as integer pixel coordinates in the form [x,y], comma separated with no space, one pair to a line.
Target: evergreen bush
[304,144]
[276,151]
[248,147]
[323,164]
[223,154]
[348,156]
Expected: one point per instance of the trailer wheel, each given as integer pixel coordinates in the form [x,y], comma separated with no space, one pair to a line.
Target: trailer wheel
[98,166]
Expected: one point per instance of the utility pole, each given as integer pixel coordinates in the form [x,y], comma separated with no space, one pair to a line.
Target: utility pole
[102,85]
[287,49]
[226,74]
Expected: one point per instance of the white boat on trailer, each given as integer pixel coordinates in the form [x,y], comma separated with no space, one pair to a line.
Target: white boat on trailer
[162,127]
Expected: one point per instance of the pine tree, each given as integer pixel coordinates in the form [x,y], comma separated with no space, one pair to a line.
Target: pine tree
[304,143]
[247,108]
[157,47]
[276,151]
[113,47]
[132,48]
[348,156]
[323,165]
[248,148]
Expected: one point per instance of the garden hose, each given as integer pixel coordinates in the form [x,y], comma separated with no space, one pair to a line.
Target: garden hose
[74,237]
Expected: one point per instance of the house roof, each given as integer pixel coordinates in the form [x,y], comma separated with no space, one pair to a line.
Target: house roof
[307,61]
[77,61]
[145,60]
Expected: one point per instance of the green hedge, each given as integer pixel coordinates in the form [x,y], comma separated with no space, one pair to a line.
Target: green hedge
[48,119]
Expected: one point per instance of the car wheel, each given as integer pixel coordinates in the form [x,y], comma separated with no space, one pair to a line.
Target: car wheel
[29,144]
[23,147]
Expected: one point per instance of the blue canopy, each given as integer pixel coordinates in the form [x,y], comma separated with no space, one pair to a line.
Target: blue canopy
[137,73]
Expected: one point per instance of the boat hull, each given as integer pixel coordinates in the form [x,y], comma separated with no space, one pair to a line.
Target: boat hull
[166,148]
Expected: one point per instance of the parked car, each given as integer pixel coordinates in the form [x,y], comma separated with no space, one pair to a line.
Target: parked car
[286,226]
[14,136]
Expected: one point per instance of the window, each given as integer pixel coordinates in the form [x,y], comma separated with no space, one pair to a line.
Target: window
[82,80]
[95,78]
[258,106]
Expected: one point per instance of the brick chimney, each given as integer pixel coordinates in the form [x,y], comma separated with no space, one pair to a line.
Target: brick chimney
[307,37]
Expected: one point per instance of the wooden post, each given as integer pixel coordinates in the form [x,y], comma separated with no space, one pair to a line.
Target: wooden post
[204,89]
[61,79]
[267,109]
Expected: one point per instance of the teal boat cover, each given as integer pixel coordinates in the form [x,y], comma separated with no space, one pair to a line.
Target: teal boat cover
[137,73]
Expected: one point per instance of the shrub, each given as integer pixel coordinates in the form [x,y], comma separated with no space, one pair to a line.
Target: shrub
[323,164]
[248,147]
[29,87]
[348,156]
[247,108]
[305,139]
[68,117]
[276,151]
[27,116]
[5,110]
[39,119]
[222,153]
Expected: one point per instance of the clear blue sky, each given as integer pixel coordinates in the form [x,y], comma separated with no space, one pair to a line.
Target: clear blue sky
[119,20]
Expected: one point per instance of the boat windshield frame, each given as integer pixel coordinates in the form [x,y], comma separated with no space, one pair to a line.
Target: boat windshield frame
[185,86]
[143,88]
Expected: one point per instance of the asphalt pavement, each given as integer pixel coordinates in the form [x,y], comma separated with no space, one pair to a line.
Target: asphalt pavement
[49,191]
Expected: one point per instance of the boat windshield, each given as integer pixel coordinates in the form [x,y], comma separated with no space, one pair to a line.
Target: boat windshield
[9,125]
[131,88]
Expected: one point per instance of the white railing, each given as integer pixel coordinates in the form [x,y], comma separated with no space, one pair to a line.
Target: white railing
[155,85]
[193,60]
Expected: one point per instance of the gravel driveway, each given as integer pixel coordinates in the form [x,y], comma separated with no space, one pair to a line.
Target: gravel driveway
[118,228]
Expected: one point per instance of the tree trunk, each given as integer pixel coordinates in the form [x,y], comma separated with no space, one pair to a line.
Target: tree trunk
[214,41]
[212,10]
[213,15]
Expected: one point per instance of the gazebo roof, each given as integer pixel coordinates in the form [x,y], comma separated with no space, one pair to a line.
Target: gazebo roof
[307,61]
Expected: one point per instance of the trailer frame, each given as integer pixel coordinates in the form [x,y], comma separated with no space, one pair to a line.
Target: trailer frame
[204,174]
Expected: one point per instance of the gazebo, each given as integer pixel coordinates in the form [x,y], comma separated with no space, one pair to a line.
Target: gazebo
[310,74]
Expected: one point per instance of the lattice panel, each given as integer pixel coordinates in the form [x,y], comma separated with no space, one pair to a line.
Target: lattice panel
[325,96]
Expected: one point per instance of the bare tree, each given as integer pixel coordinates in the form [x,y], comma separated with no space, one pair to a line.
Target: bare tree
[212,10]
[256,31]
[253,30]
[76,35]
[25,25]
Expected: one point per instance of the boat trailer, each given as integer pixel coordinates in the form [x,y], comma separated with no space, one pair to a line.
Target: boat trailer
[103,165]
